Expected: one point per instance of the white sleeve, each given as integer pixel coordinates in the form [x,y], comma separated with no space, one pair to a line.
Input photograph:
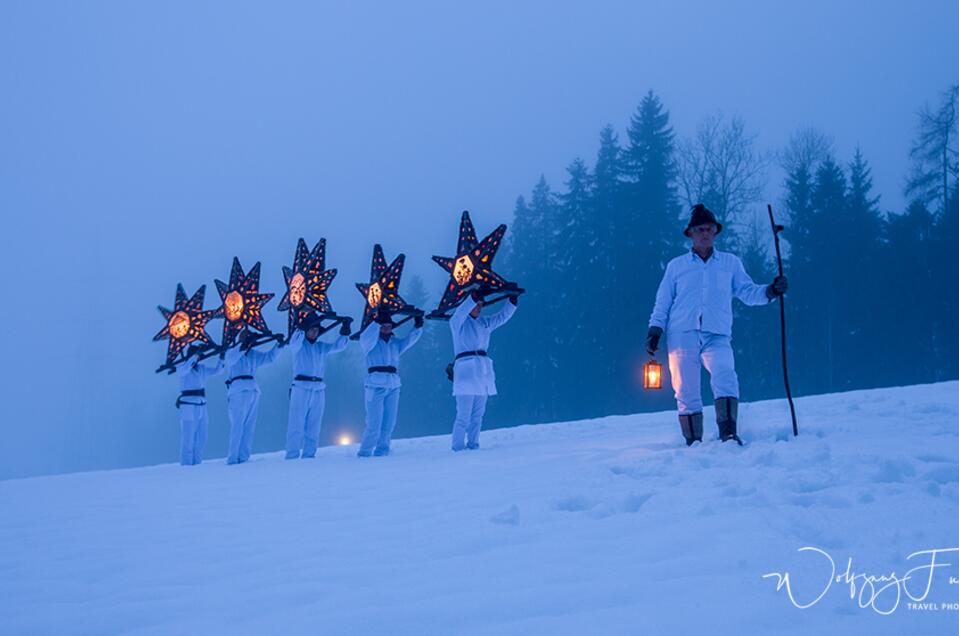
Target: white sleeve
[233,355]
[462,313]
[500,317]
[410,339]
[745,289]
[369,335]
[665,295]
[336,346]
[297,340]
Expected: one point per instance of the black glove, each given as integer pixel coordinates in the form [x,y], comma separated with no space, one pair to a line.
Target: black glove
[280,341]
[778,287]
[345,329]
[652,340]
[476,296]
[418,321]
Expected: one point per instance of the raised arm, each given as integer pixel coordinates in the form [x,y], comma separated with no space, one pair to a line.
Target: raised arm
[665,295]
[500,318]
[233,355]
[297,340]
[410,339]
[745,289]
[265,357]
[368,336]
[336,346]
[462,313]
[206,370]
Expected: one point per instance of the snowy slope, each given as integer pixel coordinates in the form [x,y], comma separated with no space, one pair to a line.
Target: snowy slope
[608,526]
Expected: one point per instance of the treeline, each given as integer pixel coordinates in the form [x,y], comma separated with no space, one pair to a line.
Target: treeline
[872,299]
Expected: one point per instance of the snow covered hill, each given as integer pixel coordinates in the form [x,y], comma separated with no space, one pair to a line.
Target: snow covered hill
[608,526]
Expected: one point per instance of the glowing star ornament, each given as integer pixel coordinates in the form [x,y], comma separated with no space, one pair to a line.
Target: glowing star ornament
[381,292]
[307,283]
[473,263]
[186,322]
[242,302]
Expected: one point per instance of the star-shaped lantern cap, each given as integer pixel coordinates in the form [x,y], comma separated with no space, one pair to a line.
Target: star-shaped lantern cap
[242,302]
[306,284]
[186,323]
[473,263]
[381,292]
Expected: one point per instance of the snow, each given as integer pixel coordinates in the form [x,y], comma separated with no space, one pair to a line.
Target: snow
[608,526]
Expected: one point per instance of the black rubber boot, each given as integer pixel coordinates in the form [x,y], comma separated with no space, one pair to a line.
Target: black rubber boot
[692,427]
[727,409]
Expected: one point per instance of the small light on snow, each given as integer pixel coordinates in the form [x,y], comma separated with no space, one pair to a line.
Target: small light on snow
[345,440]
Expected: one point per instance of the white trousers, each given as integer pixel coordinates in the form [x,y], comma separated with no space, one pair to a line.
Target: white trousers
[193,432]
[381,411]
[243,406]
[689,351]
[470,410]
[305,420]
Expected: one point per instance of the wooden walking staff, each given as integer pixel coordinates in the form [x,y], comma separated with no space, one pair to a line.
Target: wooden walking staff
[782,318]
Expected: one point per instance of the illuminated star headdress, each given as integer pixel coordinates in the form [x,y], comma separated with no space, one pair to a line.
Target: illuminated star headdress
[307,284]
[382,291]
[242,302]
[186,323]
[473,263]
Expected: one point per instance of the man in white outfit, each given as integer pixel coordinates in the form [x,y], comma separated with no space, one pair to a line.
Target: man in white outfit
[382,385]
[191,404]
[243,394]
[694,307]
[308,393]
[473,377]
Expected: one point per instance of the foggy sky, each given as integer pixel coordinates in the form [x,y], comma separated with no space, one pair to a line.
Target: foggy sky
[145,144]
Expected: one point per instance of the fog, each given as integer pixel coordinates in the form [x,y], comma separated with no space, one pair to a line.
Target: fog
[143,145]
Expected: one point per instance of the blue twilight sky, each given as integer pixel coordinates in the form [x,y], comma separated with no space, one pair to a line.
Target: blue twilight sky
[142,144]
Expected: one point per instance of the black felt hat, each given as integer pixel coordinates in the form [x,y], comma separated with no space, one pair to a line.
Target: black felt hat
[310,321]
[384,318]
[701,216]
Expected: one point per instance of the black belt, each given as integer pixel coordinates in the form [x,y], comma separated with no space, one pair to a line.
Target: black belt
[307,378]
[238,377]
[381,370]
[467,354]
[190,393]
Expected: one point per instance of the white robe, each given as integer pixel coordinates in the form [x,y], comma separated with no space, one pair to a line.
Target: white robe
[474,375]
[308,399]
[194,422]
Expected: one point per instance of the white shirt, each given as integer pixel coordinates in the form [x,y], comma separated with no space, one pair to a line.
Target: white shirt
[382,353]
[698,295]
[474,375]
[193,376]
[309,358]
[246,363]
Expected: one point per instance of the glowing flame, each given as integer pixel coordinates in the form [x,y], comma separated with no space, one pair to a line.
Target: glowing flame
[297,289]
[345,440]
[233,306]
[652,375]
[374,295]
[179,324]
[463,270]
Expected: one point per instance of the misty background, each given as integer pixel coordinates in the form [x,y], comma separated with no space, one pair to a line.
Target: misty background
[146,145]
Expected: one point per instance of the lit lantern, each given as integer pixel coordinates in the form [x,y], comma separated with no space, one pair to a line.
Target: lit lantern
[297,289]
[652,375]
[233,306]
[179,324]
